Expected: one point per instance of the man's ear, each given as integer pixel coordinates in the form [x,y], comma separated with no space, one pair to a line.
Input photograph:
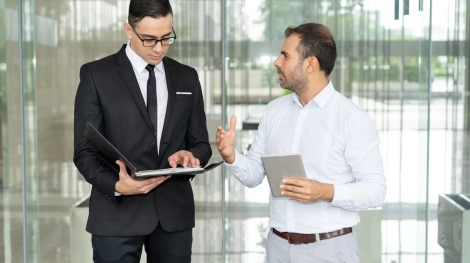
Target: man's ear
[312,64]
[128,30]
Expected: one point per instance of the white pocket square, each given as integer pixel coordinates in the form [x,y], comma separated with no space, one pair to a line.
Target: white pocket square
[184,93]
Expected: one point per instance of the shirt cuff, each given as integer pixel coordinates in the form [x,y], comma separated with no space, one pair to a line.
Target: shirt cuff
[116,194]
[343,195]
[235,166]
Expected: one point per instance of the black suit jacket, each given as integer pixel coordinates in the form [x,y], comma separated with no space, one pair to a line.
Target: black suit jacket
[109,97]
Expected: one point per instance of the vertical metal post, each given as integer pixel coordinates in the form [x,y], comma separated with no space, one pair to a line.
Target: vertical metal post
[397,10]
[466,104]
[402,104]
[406,7]
[224,123]
[429,65]
[4,181]
[269,39]
[23,140]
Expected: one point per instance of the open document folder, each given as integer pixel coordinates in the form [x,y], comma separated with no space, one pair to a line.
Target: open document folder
[111,153]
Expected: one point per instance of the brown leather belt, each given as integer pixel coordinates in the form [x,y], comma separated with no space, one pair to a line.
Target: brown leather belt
[296,238]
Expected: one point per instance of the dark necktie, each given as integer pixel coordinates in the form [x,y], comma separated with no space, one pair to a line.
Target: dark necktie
[152,97]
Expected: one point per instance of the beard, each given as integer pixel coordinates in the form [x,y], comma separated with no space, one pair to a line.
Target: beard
[297,80]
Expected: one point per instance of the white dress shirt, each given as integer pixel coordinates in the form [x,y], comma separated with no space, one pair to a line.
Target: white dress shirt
[142,75]
[339,145]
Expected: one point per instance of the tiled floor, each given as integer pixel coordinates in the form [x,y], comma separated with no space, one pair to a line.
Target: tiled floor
[49,229]
[246,224]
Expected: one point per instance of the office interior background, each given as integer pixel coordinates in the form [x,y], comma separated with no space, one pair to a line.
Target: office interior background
[405,62]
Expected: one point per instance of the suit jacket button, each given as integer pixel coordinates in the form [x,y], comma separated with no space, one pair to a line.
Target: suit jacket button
[152,145]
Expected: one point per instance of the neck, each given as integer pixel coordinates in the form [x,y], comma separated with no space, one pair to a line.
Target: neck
[315,86]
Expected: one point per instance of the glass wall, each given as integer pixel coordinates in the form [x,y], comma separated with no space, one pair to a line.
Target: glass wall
[11,195]
[403,61]
[449,158]
[198,26]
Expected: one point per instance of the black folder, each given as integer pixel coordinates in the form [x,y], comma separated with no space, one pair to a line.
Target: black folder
[111,153]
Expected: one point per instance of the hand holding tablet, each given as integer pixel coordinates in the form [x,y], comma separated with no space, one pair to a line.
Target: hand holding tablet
[278,167]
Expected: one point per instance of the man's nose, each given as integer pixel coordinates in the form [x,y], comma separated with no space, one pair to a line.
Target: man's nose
[276,63]
[158,47]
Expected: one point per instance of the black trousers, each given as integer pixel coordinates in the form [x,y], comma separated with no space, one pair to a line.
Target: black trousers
[160,246]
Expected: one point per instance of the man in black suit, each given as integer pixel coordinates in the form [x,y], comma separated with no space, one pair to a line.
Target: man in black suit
[151,108]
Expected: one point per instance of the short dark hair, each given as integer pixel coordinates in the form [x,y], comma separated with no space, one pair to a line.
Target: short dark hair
[316,40]
[139,9]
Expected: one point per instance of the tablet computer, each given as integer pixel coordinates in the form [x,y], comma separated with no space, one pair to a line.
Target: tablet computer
[111,153]
[278,167]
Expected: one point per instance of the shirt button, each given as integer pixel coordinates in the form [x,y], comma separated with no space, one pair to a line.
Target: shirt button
[152,145]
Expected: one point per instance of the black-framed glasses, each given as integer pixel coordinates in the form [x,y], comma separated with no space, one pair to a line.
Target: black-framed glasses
[153,42]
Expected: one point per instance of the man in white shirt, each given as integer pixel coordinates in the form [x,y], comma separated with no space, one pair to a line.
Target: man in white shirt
[339,146]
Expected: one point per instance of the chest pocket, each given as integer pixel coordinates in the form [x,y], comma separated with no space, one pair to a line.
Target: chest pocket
[185,96]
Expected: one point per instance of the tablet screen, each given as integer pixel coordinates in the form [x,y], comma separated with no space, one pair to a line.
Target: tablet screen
[278,167]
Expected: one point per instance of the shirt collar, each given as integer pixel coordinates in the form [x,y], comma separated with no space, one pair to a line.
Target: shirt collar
[321,99]
[139,63]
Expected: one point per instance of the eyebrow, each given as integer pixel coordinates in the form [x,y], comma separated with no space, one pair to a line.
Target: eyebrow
[151,36]
[284,53]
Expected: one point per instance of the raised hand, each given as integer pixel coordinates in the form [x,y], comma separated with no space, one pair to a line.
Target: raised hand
[128,186]
[225,140]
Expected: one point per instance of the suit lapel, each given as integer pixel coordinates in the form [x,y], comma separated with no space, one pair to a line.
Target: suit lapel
[170,75]
[128,76]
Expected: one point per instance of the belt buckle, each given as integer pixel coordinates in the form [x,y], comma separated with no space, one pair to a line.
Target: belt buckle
[289,239]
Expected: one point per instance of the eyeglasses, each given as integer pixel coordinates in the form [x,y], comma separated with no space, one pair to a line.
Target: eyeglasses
[153,42]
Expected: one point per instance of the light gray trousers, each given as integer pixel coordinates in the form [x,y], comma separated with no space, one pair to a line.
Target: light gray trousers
[342,249]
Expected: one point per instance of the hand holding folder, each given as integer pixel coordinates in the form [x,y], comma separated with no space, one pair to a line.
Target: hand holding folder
[111,153]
